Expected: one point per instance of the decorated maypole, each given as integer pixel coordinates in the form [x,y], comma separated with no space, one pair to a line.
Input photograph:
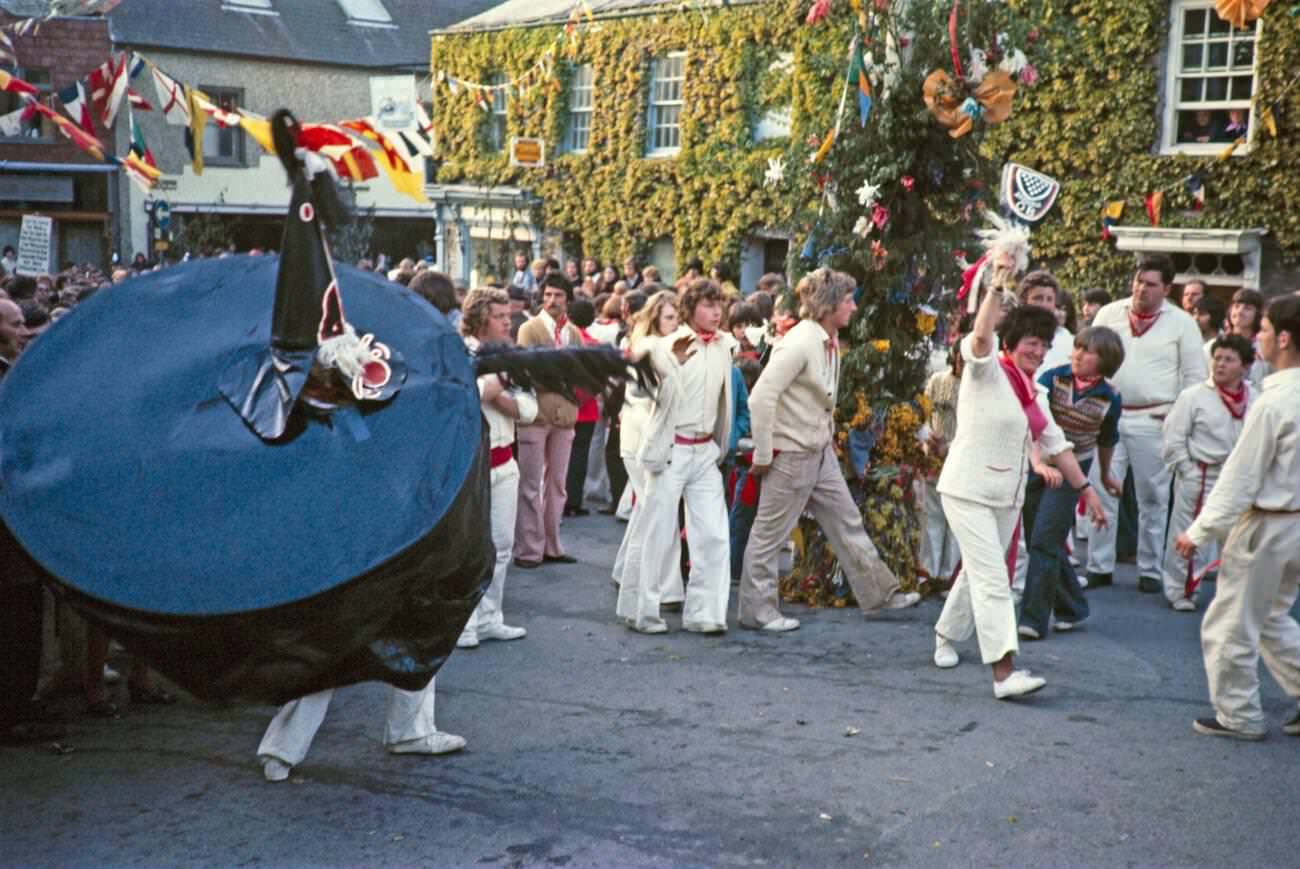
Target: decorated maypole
[899,185]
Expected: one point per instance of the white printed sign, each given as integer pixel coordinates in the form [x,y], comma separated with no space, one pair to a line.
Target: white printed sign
[34,245]
[392,101]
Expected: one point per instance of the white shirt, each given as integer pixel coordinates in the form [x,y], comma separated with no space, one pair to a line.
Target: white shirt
[1200,427]
[605,333]
[1167,359]
[550,328]
[501,428]
[1059,353]
[702,378]
[1264,468]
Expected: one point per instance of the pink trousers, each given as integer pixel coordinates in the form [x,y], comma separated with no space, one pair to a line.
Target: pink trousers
[543,464]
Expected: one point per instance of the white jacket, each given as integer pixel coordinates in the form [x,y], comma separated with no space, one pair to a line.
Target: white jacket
[989,459]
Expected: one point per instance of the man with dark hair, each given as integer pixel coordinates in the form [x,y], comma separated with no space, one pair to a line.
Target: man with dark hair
[545,445]
[1162,357]
[1199,434]
[631,273]
[1257,505]
[681,448]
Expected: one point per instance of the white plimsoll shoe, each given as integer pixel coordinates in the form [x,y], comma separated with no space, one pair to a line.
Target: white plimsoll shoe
[1028,632]
[658,626]
[1184,605]
[704,627]
[1065,626]
[1018,684]
[945,653]
[274,769]
[501,632]
[435,743]
[780,625]
[901,600]
[467,640]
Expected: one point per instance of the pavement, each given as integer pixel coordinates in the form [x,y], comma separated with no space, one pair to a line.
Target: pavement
[839,744]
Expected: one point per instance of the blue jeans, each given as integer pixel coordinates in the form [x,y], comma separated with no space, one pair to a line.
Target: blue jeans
[1051,586]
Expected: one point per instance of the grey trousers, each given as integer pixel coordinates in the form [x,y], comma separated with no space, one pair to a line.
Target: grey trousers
[812,480]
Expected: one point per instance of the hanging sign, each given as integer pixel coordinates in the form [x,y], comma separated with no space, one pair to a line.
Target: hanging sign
[34,245]
[528,153]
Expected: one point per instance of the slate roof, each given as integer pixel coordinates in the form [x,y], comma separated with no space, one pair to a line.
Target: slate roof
[313,31]
[532,13]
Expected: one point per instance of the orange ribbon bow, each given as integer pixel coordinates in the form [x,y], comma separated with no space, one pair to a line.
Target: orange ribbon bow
[951,107]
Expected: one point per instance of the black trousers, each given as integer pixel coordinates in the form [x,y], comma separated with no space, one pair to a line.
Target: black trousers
[577,475]
[614,467]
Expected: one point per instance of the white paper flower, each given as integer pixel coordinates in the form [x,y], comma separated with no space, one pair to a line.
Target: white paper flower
[867,194]
[863,226]
[775,172]
[979,66]
[1014,62]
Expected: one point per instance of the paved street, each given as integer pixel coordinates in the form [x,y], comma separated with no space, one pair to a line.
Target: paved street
[593,746]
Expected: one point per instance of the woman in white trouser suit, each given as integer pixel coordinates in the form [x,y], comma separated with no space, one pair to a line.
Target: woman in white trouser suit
[657,318]
[1001,412]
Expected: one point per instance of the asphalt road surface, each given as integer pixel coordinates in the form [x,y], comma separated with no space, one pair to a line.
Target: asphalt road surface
[590,746]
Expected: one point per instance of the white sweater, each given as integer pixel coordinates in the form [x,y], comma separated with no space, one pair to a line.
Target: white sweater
[1167,359]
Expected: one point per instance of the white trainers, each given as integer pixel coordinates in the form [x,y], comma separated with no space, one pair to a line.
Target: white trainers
[902,600]
[704,627]
[1018,684]
[1065,627]
[467,640]
[780,625]
[945,653]
[435,743]
[1184,605]
[658,626]
[274,769]
[501,632]
[1028,632]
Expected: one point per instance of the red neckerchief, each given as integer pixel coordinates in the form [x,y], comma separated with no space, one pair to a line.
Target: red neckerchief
[1023,387]
[1140,323]
[706,338]
[560,322]
[832,349]
[1235,402]
[1083,384]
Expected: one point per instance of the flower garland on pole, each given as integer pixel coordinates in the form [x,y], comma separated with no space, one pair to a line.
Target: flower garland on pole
[901,191]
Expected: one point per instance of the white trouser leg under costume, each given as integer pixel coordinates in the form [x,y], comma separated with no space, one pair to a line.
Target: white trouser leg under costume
[1191,489]
[289,735]
[939,552]
[674,591]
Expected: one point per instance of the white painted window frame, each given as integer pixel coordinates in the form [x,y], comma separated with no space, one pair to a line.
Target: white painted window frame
[655,106]
[582,103]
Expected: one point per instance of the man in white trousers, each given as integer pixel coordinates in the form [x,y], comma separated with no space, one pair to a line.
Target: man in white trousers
[1199,435]
[682,446]
[408,729]
[1257,504]
[1163,355]
[791,412]
[485,319]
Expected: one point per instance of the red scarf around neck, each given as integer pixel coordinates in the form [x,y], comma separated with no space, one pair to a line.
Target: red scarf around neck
[1025,392]
[1235,402]
[560,322]
[1083,384]
[1140,323]
[706,338]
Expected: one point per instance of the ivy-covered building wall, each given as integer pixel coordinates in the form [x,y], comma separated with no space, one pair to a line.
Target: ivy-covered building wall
[1094,121]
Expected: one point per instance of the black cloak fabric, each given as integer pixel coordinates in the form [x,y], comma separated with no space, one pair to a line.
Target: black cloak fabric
[354,548]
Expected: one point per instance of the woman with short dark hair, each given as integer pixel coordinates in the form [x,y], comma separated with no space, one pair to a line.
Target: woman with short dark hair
[1002,419]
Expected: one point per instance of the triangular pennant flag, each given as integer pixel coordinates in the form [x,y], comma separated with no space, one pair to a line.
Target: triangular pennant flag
[11,124]
[77,104]
[108,87]
[1155,203]
[394,165]
[259,128]
[198,120]
[1110,216]
[13,85]
[1227,152]
[172,101]
[138,146]
[1196,189]
[143,174]
[1269,120]
[79,137]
